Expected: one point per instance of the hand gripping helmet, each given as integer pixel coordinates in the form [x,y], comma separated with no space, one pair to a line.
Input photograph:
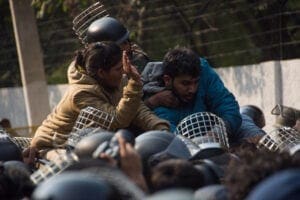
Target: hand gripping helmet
[107,29]
[74,185]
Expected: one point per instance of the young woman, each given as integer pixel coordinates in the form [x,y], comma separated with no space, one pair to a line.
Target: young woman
[97,80]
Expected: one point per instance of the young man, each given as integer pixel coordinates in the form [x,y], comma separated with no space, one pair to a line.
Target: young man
[196,86]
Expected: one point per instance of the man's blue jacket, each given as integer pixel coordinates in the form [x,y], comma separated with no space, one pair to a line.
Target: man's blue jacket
[212,96]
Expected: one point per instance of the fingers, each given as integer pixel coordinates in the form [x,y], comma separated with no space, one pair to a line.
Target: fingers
[32,153]
[126,63]
[29,155]
[129,69]
[122,145]
[108,159]
[168,99]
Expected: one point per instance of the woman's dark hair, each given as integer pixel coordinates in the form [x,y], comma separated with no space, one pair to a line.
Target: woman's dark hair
[181,61]
[98,55]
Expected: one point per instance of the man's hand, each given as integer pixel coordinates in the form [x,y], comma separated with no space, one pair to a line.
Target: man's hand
[29,156]
[164,98]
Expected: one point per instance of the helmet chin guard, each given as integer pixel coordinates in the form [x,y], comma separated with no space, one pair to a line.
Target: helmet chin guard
[82,21]
[53,168]
[205,129]
[281,139]
[89,121]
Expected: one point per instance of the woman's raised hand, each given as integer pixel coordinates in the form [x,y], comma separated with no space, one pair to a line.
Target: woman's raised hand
[129,69]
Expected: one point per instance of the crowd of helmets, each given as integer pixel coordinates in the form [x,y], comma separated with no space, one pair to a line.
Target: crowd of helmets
[195,163]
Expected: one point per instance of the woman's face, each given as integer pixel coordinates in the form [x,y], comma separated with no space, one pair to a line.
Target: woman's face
[112,78]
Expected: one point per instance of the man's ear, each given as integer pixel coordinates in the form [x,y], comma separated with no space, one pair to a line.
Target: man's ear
[167,80]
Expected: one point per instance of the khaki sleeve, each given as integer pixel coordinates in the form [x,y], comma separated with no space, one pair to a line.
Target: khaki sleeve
[123,113]
[147,120]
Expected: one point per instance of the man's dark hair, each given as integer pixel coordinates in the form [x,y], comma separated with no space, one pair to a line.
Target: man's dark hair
[181,61]
[176,173]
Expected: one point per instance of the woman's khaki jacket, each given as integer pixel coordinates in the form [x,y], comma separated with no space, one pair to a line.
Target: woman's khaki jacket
[124,104]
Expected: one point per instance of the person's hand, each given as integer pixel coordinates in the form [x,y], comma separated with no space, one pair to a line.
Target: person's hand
[254,139]
[131,164]
[164,98]
[130,160]
[297,125]
[129,69]
[29,156]
[112,162]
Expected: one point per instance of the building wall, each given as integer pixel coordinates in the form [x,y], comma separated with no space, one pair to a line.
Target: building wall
[261,85]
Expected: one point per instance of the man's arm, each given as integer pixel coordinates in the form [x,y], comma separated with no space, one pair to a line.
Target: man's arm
[147,120]
[218,99]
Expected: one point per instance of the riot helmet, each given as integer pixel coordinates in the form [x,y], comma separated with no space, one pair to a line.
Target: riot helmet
[107,29]
[15,180]
[285,116]
[86,146]
[207,130]
[152,142]
[74,185]
[8,149]
[255,113]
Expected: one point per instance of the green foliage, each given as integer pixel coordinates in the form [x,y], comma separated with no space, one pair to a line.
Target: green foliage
[48,8]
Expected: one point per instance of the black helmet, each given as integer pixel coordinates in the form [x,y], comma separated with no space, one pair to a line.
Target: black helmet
[152,142]
[86,146]
[107,29]
[255,113]
[8,149]
[74,185]
[15,180]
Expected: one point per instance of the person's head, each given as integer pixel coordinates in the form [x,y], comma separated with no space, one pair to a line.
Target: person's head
[253,167]
[109,29]
[176,173]
[103,62]
[15,180]
[181,73]
[5,123]
[8,149]
[75,185]
[280,186]
[255,113]
[285,116]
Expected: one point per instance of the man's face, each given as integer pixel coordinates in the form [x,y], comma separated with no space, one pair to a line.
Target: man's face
[184,87]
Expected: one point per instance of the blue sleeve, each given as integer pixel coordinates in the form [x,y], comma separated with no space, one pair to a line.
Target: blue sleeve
[248,129]
[218,99]
[167,114]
